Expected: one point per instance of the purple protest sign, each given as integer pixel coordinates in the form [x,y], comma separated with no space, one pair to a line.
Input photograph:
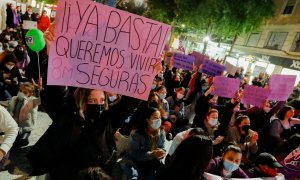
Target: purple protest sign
[226,87]
[281,86]
[100,47]
[183,61]
[212,68]
[255,95]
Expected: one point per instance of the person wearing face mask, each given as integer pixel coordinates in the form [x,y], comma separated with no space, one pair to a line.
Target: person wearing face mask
[81,136]
[244,137]
[176,111]
[208,101]
[260,120]
[24,109]
[22,57]
[162,93]
[176,104]
[265,166]
[113,98]
[10,76]
[227,166]
[146,145]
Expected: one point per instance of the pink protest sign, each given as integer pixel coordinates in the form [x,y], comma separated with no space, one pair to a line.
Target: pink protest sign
[100,47]
[199,58]
[231,69]
[212,68]
[183,61]
[255,95]
[226,87]
[281,86]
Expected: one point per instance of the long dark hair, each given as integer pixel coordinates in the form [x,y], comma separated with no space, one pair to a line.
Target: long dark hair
[240,119]
[142,124]
[281,113]
[191,158]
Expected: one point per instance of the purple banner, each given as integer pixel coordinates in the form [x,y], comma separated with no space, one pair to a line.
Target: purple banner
[281,86]
[255,95]
[226,87]
[183,61]
[212,68]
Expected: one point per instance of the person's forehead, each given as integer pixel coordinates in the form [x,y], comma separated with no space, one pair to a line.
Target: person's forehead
[233,154]
[96,94]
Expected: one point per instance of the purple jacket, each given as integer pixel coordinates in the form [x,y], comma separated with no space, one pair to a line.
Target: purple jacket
[216,167]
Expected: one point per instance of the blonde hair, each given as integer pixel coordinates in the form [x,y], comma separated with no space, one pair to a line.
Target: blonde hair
[81,96]
[29,87]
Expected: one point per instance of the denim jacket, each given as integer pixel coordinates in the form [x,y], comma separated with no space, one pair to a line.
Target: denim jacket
[140,146]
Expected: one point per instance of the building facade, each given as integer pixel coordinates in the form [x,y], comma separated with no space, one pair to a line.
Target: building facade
[275,47]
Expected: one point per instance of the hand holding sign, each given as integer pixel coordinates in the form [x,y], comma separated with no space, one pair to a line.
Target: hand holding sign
[49,36]
[226,87]
[101,47]
[212,68]
[255,95]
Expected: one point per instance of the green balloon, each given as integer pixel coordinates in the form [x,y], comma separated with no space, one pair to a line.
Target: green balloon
[35,40]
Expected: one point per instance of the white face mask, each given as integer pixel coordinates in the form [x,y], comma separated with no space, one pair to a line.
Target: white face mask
[21,95]
[112,98]
[213,121]
[267,109]
[156,123]
[162,96]
[7,37]
[9,67]
[180,96]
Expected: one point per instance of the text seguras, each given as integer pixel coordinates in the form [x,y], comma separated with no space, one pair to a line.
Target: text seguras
[104,48]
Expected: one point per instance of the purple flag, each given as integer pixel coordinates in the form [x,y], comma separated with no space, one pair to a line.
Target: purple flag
[183,61]
[212,68]
[255,95]
[226,87]
[281,86]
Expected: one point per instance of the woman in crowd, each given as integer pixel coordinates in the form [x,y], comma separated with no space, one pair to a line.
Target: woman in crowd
[188,160]
[10,128]
[43,21]
[244,137]
[203,104]
[113,98]
[176,104]
[146,144]
[211,125]
[10,16]
[10,76]
[228,165]
[176,112]
[280,129]
[81,129]
[161,91]
[24,109]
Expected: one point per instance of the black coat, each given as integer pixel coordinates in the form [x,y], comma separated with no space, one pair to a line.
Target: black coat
[71,143]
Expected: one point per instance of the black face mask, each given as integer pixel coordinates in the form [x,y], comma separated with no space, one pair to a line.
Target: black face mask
[153,104]
[93,112]
[246,128]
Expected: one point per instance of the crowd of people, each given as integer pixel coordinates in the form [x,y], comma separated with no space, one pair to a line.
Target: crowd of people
[104,135]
